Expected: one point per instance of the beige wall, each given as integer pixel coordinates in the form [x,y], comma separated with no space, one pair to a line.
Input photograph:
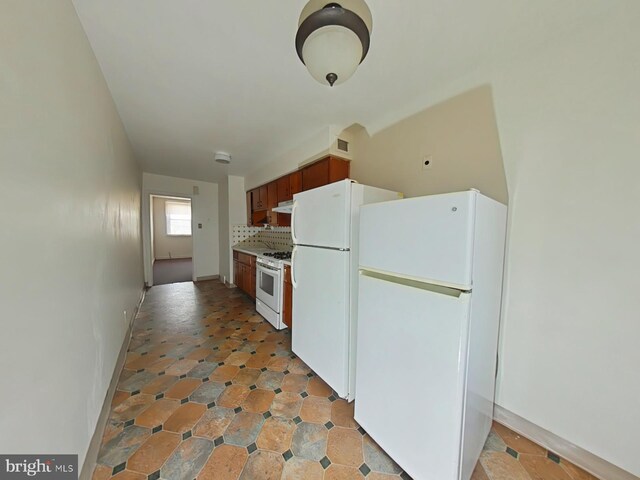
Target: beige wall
[71,273]
[459,134]
[168,246]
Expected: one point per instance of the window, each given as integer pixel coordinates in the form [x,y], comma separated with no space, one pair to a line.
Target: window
[178,218]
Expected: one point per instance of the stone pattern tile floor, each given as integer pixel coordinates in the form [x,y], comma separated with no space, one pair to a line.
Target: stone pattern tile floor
[211,391]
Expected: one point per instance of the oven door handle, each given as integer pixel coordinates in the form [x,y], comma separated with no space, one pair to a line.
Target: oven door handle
[268,268]
[293,268]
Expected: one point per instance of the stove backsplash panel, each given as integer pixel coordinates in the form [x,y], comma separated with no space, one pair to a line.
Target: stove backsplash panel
[278,237]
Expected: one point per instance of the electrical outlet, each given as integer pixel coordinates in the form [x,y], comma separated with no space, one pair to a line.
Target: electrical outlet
[125,316]
[427,162]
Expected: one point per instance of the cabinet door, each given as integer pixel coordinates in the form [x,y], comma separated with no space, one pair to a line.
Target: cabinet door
[315,175]
[284,189]
[259,198]
[249,208]
[338,169]
[283,219]
[255,199]
[272,194]
[246,279]
[237,274]
[262,195]
[295,183]
[272,202]
[287,300]
[259,218]
[252,281]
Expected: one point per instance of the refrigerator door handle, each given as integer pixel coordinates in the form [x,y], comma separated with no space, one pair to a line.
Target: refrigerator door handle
[293,224]
[409,282]
[293,266]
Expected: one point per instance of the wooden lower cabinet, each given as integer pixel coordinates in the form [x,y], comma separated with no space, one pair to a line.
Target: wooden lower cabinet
[287,298]
[244,272]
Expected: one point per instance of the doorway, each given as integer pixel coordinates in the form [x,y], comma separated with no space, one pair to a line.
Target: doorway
[171,239]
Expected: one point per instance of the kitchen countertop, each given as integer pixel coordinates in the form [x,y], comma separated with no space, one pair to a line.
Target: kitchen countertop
[251,250]
[257,251]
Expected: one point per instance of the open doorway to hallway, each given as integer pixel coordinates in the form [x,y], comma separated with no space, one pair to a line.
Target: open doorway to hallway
[171,239]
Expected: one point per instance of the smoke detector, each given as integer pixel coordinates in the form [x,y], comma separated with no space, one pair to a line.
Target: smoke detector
[222,157]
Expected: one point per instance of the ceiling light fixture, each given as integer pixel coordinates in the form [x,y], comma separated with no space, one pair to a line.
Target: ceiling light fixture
[333,38]
[222,157]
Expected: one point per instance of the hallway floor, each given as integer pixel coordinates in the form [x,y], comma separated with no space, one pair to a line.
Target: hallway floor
[174,270]
[211,391]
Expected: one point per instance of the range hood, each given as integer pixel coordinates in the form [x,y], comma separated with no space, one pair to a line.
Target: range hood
[284,207]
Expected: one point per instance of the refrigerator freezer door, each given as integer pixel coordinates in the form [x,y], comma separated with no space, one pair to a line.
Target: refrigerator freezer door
[410,373]
[320,311]
[322,216]
[426,238]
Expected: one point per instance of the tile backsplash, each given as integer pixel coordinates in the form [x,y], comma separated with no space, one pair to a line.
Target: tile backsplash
[278,237]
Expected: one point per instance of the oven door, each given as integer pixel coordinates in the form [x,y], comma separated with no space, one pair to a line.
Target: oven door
[268,284]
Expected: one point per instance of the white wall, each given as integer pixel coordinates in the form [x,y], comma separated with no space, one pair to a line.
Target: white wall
[165,246]
[204,210]
[314,147]
[70,244]
[237,210]
[223,213]
[233,211]
[569,121]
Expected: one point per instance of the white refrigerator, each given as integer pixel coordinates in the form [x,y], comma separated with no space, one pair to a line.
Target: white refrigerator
[324,228]
[429,306]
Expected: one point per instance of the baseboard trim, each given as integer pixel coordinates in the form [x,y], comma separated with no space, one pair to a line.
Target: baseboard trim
[171,258]
[582,458]
[207,277]
[91,459]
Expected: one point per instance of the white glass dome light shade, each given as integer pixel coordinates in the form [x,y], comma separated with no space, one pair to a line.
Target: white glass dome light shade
[327,37]
[332,49]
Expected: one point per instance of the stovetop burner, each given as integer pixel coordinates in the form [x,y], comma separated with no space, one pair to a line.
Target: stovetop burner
[279,255]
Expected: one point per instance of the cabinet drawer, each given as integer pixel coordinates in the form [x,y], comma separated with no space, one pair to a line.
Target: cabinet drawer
[244,258]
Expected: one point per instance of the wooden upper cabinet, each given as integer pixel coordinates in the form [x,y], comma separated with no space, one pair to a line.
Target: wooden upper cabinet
[272,194]
[328,170]
[315,175]
[295,182]
[272,202]
[284,189]
[249,208]
[259,198]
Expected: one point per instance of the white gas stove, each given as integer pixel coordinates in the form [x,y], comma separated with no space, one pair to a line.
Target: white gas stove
[270,276]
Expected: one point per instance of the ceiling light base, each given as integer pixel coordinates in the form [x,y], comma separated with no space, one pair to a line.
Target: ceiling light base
[222,157]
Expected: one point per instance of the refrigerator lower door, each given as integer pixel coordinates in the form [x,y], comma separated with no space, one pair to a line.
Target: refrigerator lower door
[410,373]
[320,336]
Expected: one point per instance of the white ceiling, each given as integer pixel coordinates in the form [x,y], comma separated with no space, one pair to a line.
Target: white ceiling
[190,77]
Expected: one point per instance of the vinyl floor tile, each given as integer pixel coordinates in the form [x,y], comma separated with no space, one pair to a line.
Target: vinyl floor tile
[211,391]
